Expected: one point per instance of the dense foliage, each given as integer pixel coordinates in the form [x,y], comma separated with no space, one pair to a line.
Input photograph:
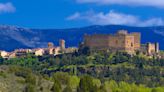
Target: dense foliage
[114,72]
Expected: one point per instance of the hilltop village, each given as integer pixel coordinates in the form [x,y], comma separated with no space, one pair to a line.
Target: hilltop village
[120,41]
[102,63]
[50,50]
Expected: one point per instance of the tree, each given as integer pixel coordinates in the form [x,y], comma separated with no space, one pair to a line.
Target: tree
[103,89]
[67,89]
[134,88]
[56,86]
[86,85]
[1,60]
[30,88]
[57,61]
[62,77]
[31,79]
[96,82]
[125,87]
[73,82]
[113,86]
[84,51]
[158,89]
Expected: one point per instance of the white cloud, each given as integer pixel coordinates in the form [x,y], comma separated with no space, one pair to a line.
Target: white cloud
[154,3]
[74,16]
[7,7]
[115,18]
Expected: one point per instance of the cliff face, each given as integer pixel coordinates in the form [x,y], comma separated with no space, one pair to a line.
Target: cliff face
[12,37]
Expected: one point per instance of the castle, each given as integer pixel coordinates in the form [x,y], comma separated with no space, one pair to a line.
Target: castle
[121,41]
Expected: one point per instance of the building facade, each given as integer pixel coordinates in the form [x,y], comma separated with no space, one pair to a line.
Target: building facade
[62,45]
[121,41]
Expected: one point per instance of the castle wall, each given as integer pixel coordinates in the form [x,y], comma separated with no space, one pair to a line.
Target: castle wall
[130,44]
[120,41]
[137,40]
[117,42]
[152,48]
[96,41]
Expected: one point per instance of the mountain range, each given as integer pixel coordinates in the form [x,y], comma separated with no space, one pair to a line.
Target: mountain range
[13,37]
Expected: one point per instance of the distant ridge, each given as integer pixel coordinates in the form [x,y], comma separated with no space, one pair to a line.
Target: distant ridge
[13,37]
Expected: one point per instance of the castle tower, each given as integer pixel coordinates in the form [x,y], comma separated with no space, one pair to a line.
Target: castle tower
[62,44]
[137,40]
[157,47]
[148,48]
[50,45]
[152,48]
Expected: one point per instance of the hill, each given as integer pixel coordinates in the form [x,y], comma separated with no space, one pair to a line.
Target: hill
[13,37]
[18,79]
[98,72]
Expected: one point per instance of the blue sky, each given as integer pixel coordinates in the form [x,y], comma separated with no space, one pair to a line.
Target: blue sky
[78,13]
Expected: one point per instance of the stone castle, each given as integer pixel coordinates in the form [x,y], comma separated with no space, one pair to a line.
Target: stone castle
[121,41]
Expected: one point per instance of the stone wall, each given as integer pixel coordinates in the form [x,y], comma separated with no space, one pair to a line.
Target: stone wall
[121,41]
[137,40]
[152,48]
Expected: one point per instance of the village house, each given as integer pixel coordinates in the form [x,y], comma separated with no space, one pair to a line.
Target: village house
[38,52]
[4,54]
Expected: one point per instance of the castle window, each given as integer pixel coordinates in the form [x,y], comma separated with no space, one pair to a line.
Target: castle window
[131,44]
